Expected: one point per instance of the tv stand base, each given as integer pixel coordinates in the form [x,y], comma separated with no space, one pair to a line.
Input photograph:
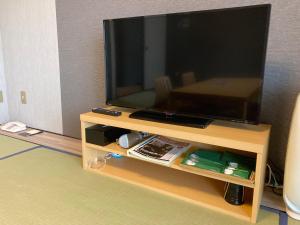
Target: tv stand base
[171,119]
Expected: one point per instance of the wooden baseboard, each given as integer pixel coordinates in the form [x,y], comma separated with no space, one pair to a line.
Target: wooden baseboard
[51,140]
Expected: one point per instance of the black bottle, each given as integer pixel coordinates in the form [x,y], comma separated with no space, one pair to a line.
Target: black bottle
[234,194]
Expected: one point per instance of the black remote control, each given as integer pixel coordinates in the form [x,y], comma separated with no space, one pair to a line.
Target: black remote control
[106,112]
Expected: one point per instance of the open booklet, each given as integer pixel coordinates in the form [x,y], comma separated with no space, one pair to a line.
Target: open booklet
[159,150]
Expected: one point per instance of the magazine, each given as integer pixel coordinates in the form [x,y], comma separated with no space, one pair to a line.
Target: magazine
[159,150]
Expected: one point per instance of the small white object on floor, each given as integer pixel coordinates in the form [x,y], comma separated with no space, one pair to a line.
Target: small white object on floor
[13,127]
[30,132]
[33,132]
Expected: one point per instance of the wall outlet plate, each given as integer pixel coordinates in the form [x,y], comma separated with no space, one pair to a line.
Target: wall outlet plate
[23,97]
[1,97]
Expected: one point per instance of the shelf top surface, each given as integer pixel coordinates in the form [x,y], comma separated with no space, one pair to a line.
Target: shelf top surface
[252,138]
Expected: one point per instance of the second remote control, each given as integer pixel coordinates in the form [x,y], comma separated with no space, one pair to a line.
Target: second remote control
[106,112]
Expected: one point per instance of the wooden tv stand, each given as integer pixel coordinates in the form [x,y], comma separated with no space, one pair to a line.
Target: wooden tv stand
[198,186]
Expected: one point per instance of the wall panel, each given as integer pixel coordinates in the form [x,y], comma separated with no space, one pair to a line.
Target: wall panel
[29,35]
[3,106]
[80,37]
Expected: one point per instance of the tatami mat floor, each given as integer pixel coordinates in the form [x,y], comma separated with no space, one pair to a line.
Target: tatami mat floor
[42,185]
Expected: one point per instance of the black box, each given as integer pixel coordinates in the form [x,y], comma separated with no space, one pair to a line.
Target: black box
[103,135]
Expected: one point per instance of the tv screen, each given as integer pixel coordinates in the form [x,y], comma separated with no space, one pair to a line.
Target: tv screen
[207,64]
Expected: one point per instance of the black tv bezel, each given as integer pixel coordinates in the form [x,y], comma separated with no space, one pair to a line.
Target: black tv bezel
[268,8]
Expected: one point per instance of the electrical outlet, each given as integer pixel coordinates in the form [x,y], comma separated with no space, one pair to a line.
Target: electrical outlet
[23,97]
[1,96]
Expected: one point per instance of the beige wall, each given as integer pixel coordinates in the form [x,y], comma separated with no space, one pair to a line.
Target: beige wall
[29,35]
[3,106]
[81,52]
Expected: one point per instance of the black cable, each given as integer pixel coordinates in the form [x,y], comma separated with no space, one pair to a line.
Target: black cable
[277,191]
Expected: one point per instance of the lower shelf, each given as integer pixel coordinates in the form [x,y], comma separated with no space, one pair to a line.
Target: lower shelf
[189,187]
[113,147]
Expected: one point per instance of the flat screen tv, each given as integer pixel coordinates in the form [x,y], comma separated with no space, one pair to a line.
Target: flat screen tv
[189,67]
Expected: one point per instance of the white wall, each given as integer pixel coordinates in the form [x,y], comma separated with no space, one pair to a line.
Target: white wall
[3,106]
[30,48]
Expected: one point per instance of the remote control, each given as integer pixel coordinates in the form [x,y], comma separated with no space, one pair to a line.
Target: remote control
[106,112]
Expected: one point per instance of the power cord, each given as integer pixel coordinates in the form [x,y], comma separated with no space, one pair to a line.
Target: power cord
[274,178]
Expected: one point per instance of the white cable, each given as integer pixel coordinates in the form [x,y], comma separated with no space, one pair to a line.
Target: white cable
[272,175]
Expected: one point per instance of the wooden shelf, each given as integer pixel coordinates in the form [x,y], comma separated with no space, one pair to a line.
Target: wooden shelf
[189,187]
[226,134]
[113,147]
[206,173]
[202,187]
